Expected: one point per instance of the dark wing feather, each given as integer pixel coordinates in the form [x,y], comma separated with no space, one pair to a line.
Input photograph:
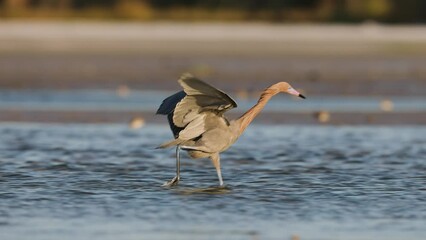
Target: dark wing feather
[169,104]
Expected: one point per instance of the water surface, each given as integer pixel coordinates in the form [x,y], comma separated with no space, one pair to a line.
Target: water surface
[95,100]
[104,182]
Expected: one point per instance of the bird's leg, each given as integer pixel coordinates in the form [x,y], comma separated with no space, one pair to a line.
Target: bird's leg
[176,179]
[216,162]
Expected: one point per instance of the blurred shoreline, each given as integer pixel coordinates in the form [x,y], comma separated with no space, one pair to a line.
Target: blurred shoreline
[269,118]
[126,106]
[242,58]
[364,59]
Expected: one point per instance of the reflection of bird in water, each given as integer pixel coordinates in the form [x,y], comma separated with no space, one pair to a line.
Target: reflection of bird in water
[196,119]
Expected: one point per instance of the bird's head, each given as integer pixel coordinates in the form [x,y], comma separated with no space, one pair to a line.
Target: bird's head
[285,87]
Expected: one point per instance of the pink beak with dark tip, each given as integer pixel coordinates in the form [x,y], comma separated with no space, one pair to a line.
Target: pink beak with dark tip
[293,91]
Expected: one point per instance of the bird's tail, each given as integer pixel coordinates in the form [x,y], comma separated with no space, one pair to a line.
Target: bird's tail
[171,143]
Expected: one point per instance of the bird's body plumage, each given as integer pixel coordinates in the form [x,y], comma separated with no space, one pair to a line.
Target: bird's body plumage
[196,118]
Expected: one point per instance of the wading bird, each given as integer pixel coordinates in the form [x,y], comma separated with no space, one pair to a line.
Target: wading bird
[196,119]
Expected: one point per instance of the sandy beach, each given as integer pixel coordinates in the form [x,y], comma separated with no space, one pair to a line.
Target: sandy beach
[321,60]
[360,59]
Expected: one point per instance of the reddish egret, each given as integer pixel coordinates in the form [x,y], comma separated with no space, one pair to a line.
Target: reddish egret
[196,119]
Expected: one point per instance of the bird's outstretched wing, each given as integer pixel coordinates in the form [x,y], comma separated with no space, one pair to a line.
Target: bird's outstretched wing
[200,97]
[187,110]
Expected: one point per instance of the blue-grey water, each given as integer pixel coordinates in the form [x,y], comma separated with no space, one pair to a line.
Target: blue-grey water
[89,100]
[314,182]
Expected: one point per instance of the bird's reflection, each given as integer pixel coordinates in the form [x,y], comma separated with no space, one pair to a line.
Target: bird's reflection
[204,190]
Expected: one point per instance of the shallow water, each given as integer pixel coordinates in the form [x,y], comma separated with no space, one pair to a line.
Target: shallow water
[95,100]
[104,182]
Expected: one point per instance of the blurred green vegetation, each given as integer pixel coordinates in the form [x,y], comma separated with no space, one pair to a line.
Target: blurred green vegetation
[387,11]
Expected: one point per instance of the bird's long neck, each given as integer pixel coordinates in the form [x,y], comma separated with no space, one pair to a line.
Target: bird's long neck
[248,117]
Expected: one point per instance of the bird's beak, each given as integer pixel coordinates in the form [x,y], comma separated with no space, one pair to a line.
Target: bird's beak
[293,91]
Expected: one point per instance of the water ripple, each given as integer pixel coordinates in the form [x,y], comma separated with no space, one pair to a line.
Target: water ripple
[274,178]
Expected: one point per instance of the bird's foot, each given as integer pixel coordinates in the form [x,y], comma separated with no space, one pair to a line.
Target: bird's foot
[172,182]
